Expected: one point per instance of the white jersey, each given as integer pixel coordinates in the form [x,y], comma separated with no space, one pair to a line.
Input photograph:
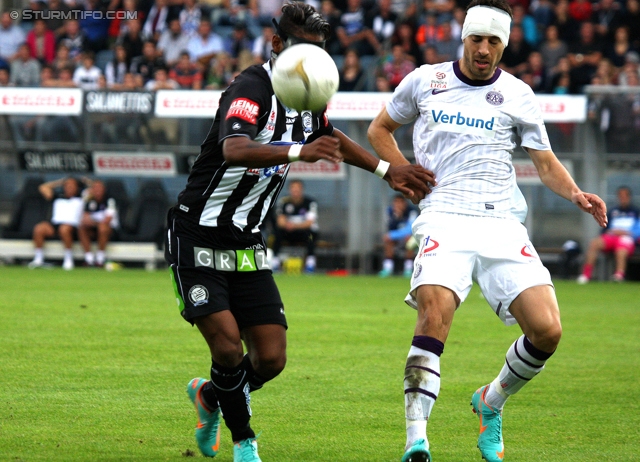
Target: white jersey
[465,132]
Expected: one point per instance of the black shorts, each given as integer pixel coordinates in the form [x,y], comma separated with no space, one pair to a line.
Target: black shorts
[251,295]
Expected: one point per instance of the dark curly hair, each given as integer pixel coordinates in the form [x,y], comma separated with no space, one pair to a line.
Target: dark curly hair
[299,18]
[500,4]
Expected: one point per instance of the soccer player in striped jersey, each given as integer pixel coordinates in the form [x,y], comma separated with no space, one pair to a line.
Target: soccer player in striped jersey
[214,246]
[467,117]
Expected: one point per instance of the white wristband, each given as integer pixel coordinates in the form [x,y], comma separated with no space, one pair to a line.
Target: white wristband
[294,152]
[381,169]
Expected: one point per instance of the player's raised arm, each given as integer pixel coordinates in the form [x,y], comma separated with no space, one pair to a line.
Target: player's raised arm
[557,178]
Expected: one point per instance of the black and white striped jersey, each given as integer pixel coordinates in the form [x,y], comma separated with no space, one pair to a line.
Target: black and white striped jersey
[218,195]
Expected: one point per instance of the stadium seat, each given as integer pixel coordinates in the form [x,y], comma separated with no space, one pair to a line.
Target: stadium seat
[145,219]
[30,209]
[116,190]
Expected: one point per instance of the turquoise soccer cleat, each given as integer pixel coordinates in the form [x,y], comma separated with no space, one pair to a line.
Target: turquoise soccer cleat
[208,426]
[246,451]
[490,439]
[418,452]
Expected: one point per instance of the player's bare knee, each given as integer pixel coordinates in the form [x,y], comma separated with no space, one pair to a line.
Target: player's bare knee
[269,366]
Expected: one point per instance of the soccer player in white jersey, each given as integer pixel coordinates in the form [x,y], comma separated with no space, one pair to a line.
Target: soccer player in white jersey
[468,115]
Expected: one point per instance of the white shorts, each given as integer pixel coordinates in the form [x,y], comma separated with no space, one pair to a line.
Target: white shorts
[455,250]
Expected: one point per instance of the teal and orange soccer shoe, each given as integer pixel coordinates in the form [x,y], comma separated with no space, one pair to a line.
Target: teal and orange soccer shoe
[418,452]
[490,439]
[208,426]
[246,451]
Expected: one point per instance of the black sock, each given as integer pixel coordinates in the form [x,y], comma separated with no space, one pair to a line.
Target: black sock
[256,381]
[209,397]
[232,390]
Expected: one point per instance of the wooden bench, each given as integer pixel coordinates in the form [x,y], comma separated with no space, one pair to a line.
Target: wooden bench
[138,252]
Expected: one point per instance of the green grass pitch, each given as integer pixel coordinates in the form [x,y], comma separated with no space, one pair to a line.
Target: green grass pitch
[94,366]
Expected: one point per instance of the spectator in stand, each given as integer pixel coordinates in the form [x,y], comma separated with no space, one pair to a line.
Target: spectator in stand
[581,10]
[99,219]
[457,22]
[537,72]
[55,11]
[95,26]
[47,76]
[205,45]
[617,50]
[397,66]
[296,223]
[132,38]
[631,19]
[25,70]
[443,9]
[430,31]
[405,37]
[352,76]
[353,32]
[74,39]
[447,48]
[127,9]
[607,17]
[407,10]
[382,23]
[161,81]
[567,26]
[561,77]
[332,15]
[67,210]
[631,66]
[88,75]
[190,17]
[621,118]
[11,37]
[237,42]
[527,23]
[186,74]
[65,78]
[616,237]
[382,84]
[42,42]
[5,78]
[584,57]
[62,59]
[552,48]
[147,64]
[117,68]
[514,58]
[220,73]
[543,14]
[605,74]
[262,45]
[173,42]
[400,217]
[156,21]
[430,56]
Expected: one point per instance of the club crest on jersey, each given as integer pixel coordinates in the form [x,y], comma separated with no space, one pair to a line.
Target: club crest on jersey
[306,122]
[495,98]
[428,247]
[244,109]
[267,172]
[198,295]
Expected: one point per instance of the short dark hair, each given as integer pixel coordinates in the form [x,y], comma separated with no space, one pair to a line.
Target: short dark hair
[299,18]
[500,4]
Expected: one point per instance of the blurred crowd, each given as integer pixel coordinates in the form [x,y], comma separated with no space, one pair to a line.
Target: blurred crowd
[555,46]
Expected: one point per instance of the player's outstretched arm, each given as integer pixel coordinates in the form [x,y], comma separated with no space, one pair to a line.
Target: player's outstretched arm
[243,151]
[413,181]
[557,178]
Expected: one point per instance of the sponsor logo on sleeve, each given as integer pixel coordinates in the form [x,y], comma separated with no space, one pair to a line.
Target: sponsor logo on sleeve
[244,109]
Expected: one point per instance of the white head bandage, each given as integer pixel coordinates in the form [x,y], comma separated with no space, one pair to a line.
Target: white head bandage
[486,20]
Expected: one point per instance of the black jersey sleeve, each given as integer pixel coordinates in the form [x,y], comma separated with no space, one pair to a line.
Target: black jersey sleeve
[245,104]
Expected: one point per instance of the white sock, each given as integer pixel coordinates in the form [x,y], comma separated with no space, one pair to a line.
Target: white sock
[387,265]
[100,257]
[421,385]
[39,256]
[88,257]
[68,254]
[522,363]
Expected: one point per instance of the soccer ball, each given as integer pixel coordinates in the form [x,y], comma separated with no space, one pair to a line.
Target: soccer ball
[305,77]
